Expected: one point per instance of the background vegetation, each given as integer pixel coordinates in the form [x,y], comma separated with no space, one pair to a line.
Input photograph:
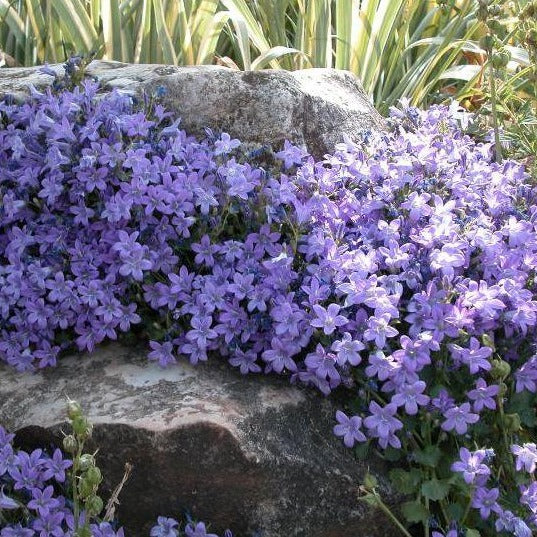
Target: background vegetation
[421,49]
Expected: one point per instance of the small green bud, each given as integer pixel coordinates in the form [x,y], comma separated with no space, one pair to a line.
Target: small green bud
[500,369]
[86,462]
[85,488]
[487,42]
[503,389]
[512,423]
[82,427]
[464,336]
[488,341]
[94,505]
[74,410]
[70,445]
[370,481]
[83,531]
[93,475]
[500,59]
[494,26]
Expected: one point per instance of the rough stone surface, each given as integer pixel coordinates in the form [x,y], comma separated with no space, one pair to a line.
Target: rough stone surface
[313,107]
[250,453]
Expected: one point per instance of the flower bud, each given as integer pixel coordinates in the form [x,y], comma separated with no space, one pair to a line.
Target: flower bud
[487,341]
[500,369]
[82,428]
[74,410]
[93,475]
[494,26]
[83,531]
[487,42]
[512,423]
[370,481]
[85,488]
[94,505]
[86,462]
[500,59]
[70,444]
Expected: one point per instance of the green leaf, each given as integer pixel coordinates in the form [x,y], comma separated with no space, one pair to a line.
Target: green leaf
[268,56]
[472,533]
[361,450]
[435,489]
[391,454]
[414,512]
[428,456]
[406,482]
[523,404]
[113,33]
[455,511]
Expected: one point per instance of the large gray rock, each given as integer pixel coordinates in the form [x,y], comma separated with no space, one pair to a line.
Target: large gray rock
[313,107]
[248,453]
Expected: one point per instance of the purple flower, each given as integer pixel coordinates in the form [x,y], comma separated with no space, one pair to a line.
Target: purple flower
[348,350]
[201,332]
[349,429]
[379,329]
[328,319]
[279,356]
[410,396]
[165,527]
[225,144]
[512,524]
[458,418]
[483,395]
[43,501]
[486,501]
[245,361]
[55,467]
[529,496]
[526,457]
[205,251]
[49,525]
[291,154]
[16,531]
[162,353]
[382,424]
[198,530]
[475,357]
[6,502]
[449,257]
[471,465]
[322,363]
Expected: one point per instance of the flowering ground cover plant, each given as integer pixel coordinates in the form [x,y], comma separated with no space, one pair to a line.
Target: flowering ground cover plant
[399,270]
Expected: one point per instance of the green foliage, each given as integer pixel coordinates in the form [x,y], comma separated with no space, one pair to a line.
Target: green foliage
[435,489]
[415,511]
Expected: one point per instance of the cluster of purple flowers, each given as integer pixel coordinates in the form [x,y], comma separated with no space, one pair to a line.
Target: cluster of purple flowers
[403,266]
[169,527]
[475,469]
[32,494]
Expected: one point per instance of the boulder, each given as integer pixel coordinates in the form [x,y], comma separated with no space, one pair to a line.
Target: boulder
[254,453]
[311,107]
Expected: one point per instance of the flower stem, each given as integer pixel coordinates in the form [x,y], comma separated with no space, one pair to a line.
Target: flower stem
[386,510]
